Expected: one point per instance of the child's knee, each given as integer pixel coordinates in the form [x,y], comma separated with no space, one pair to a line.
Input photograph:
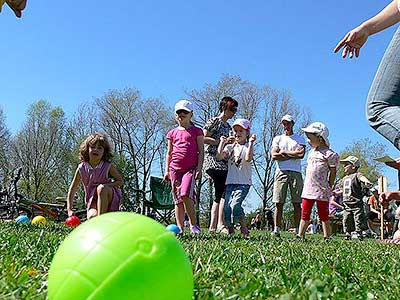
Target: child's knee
[103,190]
[100,188]
[91,213]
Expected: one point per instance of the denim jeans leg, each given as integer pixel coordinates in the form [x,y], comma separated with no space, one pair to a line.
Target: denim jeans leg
[383,103]
[237,198]
[227,206]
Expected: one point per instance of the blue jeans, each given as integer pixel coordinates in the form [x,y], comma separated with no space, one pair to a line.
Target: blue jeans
[383,103]
[234,196]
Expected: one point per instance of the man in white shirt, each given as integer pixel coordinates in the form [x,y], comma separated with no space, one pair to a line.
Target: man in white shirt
[287,149]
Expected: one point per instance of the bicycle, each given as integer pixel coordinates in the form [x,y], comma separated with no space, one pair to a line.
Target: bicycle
[10,206]
[55,211]
[14,204]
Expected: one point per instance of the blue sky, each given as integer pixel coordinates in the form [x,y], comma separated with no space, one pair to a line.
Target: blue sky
[68,52]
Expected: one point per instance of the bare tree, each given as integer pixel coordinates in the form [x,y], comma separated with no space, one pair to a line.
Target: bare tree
[4,145]
[40,147]
[84,122]
[273,105]
[206,100]
[137,127]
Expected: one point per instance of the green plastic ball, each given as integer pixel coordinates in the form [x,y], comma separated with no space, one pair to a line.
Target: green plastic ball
[122,256]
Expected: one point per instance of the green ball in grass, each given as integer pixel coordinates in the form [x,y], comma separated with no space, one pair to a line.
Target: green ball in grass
[122,256]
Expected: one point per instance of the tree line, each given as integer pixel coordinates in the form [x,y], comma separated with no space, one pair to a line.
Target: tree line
[47,144]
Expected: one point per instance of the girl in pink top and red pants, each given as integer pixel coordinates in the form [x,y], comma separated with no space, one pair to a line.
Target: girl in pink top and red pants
[320,176]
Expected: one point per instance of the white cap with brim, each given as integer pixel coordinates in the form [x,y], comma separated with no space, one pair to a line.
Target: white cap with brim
[288,118]
[184,105]
[319,129]
[351,159]
[244,123]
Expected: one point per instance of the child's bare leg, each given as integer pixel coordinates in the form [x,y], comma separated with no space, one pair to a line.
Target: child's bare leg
[180,215]
[104,198]
[214,215]
[189,207]
[303,227]
[221,214]
[326,228]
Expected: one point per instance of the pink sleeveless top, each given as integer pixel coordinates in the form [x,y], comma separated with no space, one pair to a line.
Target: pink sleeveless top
[92,178]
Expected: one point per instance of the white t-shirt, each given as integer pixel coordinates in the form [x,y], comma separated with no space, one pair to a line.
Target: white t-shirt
[239,170]
[289,143]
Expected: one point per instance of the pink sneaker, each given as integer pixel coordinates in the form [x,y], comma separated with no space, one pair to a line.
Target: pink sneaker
[195,229]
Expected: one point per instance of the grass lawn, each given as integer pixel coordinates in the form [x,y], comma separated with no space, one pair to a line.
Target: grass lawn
[229,267]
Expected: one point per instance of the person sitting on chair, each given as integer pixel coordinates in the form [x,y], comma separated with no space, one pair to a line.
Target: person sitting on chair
[374,214]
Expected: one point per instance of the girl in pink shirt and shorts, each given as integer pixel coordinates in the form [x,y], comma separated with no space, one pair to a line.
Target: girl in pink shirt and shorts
[184,162]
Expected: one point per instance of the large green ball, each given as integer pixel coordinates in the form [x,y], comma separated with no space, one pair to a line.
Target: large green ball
[120,256]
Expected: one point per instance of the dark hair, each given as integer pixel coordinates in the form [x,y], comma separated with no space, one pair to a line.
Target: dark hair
[92,140]
[227,102]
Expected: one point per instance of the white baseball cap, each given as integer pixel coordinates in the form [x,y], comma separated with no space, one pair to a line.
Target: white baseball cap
[319,129]
[351,159]
[244,123]
[288,118]
[184,105]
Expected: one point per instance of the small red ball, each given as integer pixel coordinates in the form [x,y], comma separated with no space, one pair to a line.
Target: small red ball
[72,221]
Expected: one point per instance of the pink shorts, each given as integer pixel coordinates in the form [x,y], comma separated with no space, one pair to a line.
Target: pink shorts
[183,184]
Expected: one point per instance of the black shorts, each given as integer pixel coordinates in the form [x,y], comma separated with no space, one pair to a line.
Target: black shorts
[219,178]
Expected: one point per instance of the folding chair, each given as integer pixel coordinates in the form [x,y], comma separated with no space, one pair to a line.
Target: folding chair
[160,204]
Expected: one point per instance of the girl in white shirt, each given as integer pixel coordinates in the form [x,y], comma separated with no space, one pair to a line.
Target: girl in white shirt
[238,182]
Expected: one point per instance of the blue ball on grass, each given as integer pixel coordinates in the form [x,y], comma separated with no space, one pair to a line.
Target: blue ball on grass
[22,219]
[174,228]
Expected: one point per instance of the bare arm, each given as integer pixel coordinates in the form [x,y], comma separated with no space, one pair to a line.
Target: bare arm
[220,151]
[116,175]
[73,188]
[168,160]
[356,38]
[208,139]
[277,155]
[394,164]
[371,208]
[389,16]
[298,153]
[335,204]
[200,158]
[386,197]
[332,176]
[250,150]
[365,182]
[211,141]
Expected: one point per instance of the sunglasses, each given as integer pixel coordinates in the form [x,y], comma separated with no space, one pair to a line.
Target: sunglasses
[233,109]
[182,111]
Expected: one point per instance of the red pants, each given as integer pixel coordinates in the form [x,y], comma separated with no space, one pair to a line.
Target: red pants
[322,206]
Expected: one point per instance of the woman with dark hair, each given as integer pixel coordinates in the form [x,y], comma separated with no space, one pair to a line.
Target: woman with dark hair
[217,170]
